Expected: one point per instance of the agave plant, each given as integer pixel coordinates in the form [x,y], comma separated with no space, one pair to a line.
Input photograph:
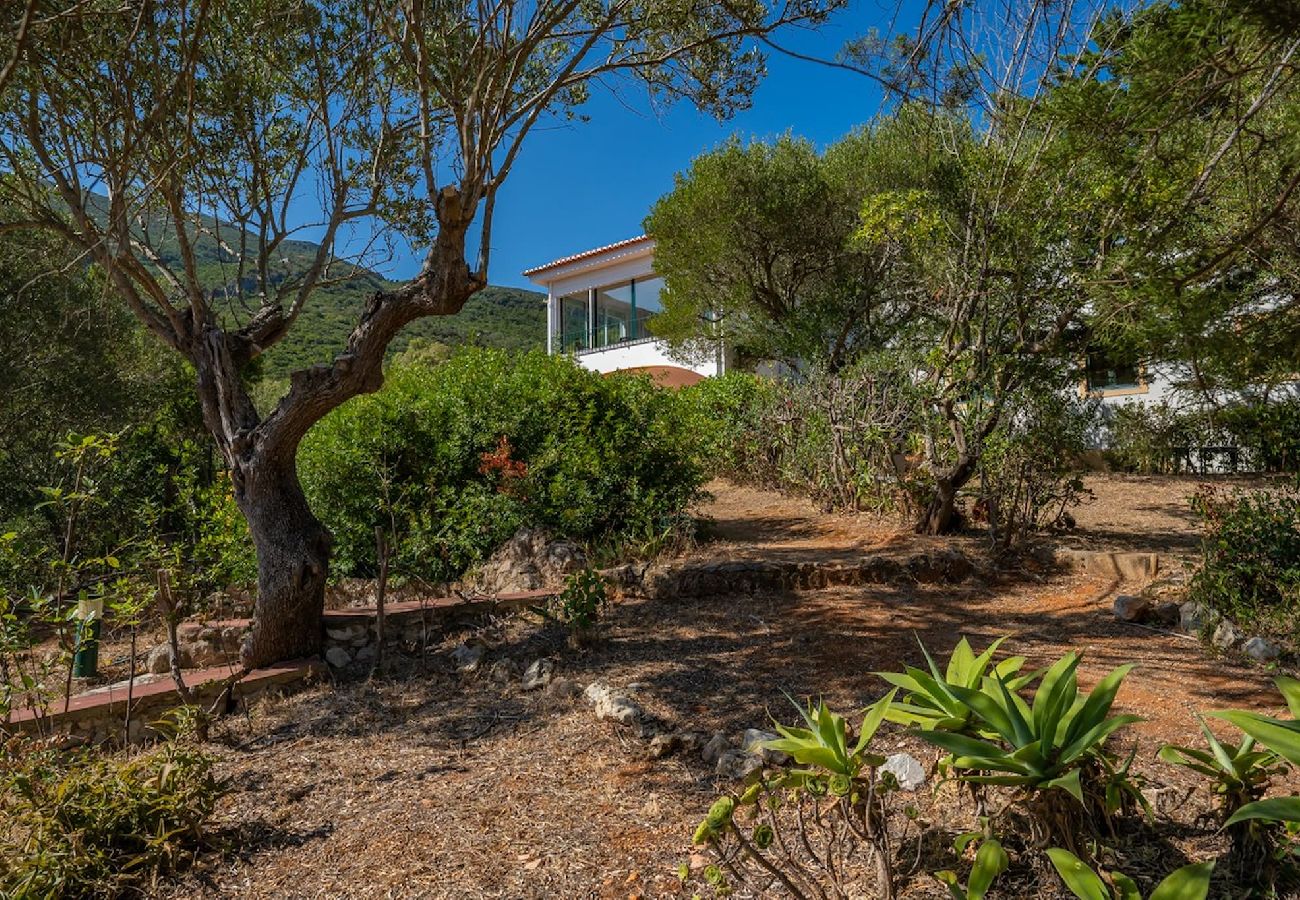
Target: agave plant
[1046,748]
[1282,737]
[1188,883]
[825,742]
[930,701]
[1239,773]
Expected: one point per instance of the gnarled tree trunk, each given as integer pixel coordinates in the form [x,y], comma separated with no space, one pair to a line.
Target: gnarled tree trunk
[293,552]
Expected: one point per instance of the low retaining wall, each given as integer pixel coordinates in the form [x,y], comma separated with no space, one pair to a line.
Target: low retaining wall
[690,580]
[352,638]
[99,716]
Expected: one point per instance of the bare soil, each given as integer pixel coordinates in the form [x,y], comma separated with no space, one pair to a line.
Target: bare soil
[434,784]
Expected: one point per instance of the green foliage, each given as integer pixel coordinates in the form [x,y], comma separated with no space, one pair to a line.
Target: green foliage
[1238,773]
[930,700]
[990,862]
[81,824]
[1250,556]
[1158,438]
[833,800]
[453,459]
[1283,738]
[1191,882]
[581,604]
[754,245]
[1051,749]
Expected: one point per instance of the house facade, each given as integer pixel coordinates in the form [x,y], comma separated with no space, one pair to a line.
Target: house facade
[599,306]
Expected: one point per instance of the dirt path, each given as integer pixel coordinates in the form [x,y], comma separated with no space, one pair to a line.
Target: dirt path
[439,785]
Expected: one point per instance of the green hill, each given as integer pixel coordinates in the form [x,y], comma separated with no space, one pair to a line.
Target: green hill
[508,318]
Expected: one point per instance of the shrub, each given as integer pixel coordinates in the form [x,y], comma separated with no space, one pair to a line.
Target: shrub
[580,605]
[800,820]
[85,825]
[1028,478]
[1052,751]
[453,459]
[837,437]
[1250,556]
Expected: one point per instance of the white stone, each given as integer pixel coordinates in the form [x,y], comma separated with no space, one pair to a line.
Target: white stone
[753,739]
[347,633]
[1193,616]
[563,689]
[538,674]
[611,704]
[1262,649]
[338,657]
[160,660]
[1130,607]
[906,768]
[467,657]
[1226,636]
[365,654]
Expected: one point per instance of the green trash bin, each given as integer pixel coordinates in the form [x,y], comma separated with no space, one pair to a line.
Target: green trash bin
[85,660]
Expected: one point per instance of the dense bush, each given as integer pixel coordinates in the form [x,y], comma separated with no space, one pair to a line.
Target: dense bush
[1151,439]
[1250,557]
[838,437]
[454,458]
[87,825]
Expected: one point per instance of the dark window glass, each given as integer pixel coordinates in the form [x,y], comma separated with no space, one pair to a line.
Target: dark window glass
[1107,370]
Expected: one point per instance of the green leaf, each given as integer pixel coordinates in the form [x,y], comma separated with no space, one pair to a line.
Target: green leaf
[990,862]
[1188,883]
[1281,737]
[1125,886]
[1068,783]
[1276,809]
[1098,704]
[871,722]
[1290,689]
[1082,881]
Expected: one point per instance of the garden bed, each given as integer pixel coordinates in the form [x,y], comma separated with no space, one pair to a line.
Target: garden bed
[439,783]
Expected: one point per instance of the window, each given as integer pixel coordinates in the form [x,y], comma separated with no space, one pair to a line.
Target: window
[1108,371]
[614,314]
[574,333]
[647,304]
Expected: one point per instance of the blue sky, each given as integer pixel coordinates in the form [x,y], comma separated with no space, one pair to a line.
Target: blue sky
[585,184]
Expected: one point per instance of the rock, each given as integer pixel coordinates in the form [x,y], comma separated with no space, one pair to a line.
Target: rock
[503,671]
[202,654]
[538,674]
[1193,616]
[531,559]
[365,655]
[563,689]
[1131,607]
[612,704]
[346,634]
[1262,649]
[1165,615]
[338,658]
[751,742]
[160,660]
[715,747]
[906,769]
[662,745]
[188,631]
[737,764]
[467,657]
[1226,636]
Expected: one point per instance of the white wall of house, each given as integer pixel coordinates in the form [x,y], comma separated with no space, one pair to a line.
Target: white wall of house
[603,268]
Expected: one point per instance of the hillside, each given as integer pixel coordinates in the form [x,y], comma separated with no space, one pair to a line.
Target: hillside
[508,318]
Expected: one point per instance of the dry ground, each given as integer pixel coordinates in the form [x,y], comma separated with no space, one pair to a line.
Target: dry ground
[437,785]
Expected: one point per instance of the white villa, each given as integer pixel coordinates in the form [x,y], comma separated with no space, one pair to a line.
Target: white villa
[598,305]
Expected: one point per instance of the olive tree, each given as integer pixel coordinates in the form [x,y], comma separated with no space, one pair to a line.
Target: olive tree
[182,146]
